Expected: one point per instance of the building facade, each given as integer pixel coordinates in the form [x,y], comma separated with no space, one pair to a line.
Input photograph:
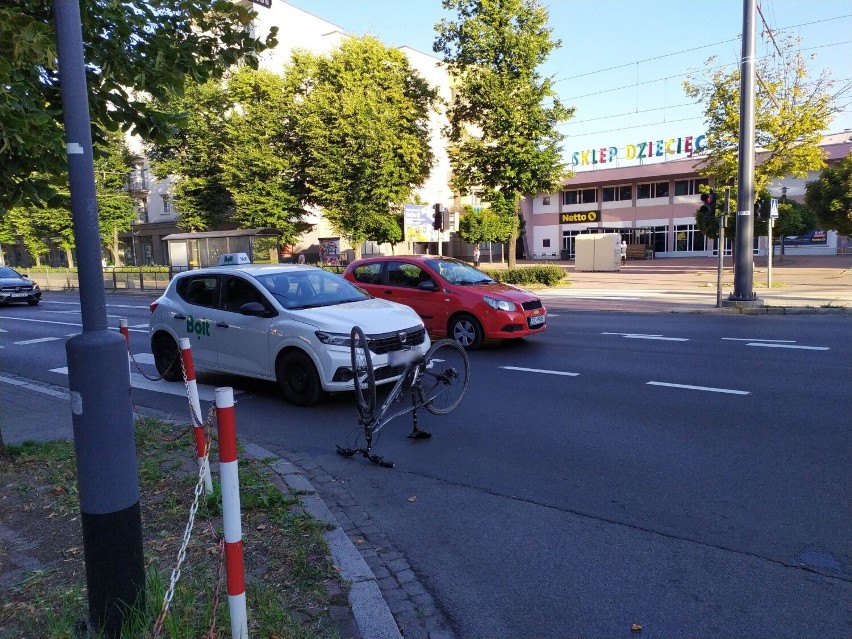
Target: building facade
[649,193]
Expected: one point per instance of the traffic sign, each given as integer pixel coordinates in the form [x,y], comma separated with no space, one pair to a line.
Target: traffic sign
[773,209]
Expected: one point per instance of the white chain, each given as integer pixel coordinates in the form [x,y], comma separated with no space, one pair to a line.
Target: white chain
[187,533]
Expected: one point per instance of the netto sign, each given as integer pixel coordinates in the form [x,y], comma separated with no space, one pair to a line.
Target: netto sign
[577,218]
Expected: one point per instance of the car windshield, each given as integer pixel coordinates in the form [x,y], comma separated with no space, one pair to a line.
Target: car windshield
[5,271]
[311,288]
[459,273]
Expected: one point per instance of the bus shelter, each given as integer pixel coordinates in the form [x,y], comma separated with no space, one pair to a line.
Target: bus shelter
[197,250]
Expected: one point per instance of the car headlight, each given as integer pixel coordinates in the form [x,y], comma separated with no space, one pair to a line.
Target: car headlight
[334,339]
[35,287]
[500,305]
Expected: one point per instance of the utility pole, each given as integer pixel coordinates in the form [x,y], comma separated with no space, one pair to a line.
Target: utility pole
[743,294]
[98,376]
[723,220]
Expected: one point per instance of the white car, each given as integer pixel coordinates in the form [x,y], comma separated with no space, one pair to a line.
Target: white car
[289,323]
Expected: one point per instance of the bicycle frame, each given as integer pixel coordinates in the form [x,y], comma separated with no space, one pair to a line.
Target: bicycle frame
[409,380]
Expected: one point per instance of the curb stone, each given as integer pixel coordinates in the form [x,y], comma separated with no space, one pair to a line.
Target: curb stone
[372,614]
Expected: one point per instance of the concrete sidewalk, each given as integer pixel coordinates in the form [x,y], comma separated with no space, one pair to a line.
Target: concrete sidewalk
[800,284]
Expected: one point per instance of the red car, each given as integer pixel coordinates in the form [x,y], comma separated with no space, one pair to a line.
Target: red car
[453,298]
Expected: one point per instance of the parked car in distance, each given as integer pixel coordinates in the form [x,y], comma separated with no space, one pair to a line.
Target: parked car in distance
[452,298]
[284,322]
[15,287]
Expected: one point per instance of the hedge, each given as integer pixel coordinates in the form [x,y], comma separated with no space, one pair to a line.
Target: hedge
[546,275]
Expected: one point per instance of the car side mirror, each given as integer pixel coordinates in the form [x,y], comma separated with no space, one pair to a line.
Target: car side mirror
[256,309]
[428,285]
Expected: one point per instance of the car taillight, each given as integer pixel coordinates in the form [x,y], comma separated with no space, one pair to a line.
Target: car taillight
[153,306]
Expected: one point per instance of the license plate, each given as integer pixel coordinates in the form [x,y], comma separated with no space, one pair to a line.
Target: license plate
[401,358]
[535,320]
[20,294]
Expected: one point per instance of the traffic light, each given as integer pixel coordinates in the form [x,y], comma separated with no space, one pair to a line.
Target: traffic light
[761,209]
[438,218]
[708,209]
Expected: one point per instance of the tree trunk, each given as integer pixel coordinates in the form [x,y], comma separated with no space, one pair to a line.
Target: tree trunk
[116,254]
[513,242]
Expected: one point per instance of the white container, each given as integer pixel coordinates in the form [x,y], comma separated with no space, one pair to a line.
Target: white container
[597,252]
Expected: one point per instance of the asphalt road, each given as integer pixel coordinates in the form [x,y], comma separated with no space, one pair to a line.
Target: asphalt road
[689,473]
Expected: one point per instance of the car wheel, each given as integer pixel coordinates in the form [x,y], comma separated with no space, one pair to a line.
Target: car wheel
[297,376]
[33,302]
[166,354]
[467,331]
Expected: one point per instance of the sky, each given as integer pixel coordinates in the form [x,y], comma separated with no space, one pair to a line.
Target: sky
[622,62]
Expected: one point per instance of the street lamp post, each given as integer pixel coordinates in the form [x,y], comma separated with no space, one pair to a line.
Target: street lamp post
[781,237]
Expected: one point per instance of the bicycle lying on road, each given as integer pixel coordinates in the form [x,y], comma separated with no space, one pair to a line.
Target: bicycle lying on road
[436,381]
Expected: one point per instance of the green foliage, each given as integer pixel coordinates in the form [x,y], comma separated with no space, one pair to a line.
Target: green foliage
[485,225]
[262,164]
[361,115]
[529,275]
[504,116]
[830,197]
[193,151]
[132,48]
[792,110]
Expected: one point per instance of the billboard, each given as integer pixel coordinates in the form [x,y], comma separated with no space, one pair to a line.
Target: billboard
[813,238]
[418,223]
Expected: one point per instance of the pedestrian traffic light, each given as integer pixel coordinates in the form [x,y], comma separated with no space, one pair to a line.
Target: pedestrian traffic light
[708,209]
[438,218]
[762,209]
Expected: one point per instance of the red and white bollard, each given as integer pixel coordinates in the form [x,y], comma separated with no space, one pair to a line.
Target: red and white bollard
[229,476]
[195,410]
[122,327]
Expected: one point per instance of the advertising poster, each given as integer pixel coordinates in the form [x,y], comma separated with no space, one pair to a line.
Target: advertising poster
[814,238]
[418,223]
[330,251]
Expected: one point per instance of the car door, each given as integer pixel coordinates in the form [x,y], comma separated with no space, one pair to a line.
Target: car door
[242,341]
[193,317]
[403,285]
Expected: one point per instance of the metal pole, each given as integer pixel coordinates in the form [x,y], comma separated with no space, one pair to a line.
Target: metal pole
[783,201]
[721,267]
[744,260]
[769,255]
[98,376]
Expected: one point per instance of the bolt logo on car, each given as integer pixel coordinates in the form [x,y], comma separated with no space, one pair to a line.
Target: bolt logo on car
[199,327]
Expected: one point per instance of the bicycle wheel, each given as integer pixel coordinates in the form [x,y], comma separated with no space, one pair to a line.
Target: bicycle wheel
[444,380]
[362,374]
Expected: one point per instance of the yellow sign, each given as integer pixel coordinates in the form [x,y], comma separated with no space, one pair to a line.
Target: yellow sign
[576,218]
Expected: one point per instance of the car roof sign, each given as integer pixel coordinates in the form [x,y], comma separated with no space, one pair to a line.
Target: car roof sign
[233,259]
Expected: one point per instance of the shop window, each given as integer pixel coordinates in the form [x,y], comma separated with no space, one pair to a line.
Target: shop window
[652,190]
[690,187]
[545,201]
[620,193]
[580,196]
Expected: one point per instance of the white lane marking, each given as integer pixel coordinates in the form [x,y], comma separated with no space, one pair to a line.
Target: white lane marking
[38,321]
[804,348]
[701,388]
[603,297]
[62,312]
[205,392]
[108,305]
[758,339]
[643,336]
[62,394]
[144,358]
[3,330]
[145,326]
[539,370]
[37,340]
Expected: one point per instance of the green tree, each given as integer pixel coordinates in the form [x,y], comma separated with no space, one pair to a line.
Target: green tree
[361,114]
[830,197]
[792,110]
[484,225]
[134,49]
[504,115]
[115,205]
[194,151]
[263,162]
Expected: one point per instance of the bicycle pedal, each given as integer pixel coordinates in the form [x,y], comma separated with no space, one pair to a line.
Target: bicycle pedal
[419,434]
[346,452]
